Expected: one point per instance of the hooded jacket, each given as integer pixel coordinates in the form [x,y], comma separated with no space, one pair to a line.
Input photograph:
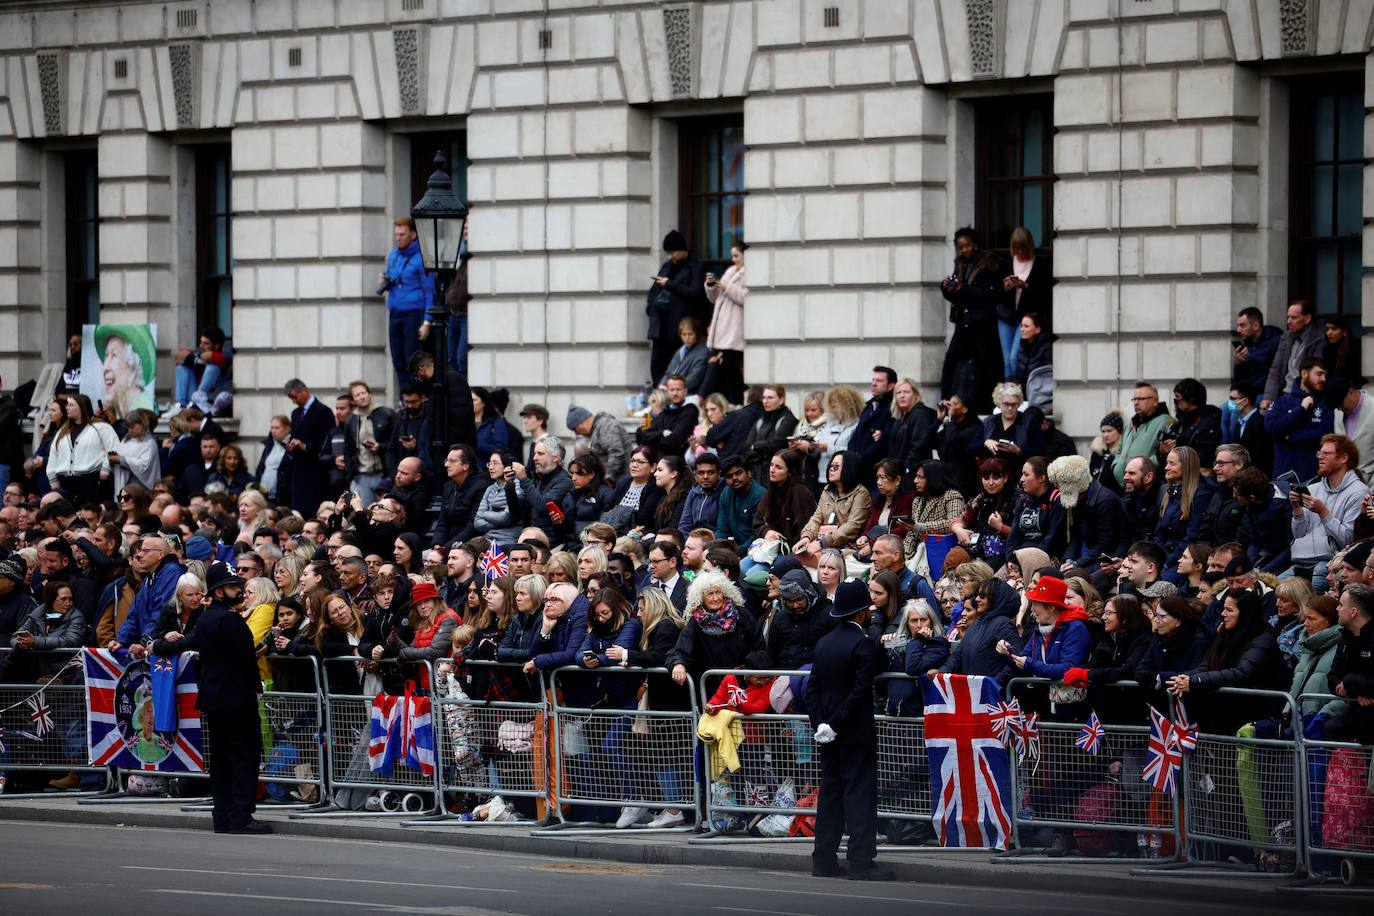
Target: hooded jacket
[1140,439]
[1316,538]
[976,653]
[792,637]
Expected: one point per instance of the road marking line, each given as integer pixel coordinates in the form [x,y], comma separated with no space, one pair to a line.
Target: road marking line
[745,909]
[981,906]
[390,907]
[260,874]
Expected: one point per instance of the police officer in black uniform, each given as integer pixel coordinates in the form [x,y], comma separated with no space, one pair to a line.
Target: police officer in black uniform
[839,696]
[229,688]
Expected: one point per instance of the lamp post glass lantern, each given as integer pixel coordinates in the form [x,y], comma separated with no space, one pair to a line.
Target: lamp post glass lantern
[439,217]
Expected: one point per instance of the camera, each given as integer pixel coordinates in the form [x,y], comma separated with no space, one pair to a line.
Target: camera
[388,281]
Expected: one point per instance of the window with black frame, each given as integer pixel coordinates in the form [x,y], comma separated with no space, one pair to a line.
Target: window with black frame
[1014,169]
[214,254]
[1326,192]
[454,145]
[83,239]
[711,185]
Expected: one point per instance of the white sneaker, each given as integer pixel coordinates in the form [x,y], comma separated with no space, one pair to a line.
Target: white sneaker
[631,816]
[667,819]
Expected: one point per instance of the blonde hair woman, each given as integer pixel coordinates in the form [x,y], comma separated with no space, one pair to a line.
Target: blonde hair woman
[287,575]
[843,403]
[590,562]
[260,597]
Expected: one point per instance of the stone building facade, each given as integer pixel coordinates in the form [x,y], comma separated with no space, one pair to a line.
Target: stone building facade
[1180,181]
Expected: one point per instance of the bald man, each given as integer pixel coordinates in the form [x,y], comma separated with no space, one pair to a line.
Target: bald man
[410,488]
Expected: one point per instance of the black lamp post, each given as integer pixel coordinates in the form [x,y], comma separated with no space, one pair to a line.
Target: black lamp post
[439,217]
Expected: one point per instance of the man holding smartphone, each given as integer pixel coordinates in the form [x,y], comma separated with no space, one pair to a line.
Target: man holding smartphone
[1325,514]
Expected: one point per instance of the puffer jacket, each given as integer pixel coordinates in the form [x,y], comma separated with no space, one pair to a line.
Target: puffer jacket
[1173,532]
[1066,646]
[518,643]
[581,508]
[849,513]
[1316,652]
[500,513]
[977,653]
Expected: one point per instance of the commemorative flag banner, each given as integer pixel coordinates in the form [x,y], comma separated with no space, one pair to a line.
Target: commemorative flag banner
[122,724]
[1164,757]
[1089,739]
[40,716]
[970,768]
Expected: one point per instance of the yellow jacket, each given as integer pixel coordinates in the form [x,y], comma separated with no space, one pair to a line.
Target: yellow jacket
[723,732]
[260,620]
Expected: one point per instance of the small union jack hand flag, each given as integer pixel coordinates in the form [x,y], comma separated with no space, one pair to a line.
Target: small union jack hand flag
[1090,738]
[493,563]
[41,717]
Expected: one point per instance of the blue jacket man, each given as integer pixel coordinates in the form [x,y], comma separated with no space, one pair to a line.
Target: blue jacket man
[1298,420]
[701,508]
[409,293]
[869,439]
[739,501]
[158,588]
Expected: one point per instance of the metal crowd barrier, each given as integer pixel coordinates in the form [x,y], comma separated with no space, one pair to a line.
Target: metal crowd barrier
[348,735]
[1338,829]
[1242,793]
[61,750]
[610,758]
[1101,799]
[488,748]
[777,749]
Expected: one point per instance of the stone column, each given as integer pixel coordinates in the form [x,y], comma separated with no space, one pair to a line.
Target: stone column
[846,170]
[22,341]
[1156,209]
[310,233]
[561,219]
[135,206]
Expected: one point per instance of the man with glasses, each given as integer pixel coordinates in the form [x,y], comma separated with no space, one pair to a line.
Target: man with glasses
[1324,517]
[153,560]
[1221,517]
[1141,436]
[664,562]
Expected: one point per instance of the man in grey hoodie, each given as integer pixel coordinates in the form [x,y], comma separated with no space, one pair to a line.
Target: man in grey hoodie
[1324,519]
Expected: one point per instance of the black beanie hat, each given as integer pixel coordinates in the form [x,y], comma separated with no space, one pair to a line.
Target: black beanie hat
[674,241]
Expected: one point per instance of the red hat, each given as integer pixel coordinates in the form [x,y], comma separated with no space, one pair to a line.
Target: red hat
[423,591]
[1048,590]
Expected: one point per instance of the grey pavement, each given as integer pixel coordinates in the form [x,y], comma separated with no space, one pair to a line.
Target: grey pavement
[60,857]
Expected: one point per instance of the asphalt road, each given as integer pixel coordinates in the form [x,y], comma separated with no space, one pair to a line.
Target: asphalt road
[65,869]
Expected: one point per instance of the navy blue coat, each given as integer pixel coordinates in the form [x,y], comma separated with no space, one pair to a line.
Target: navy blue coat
[306,475]
[616,689]
[227,669]
[1267,531]
[977,652]
[839,691]
[1173,532]
[1177,654]
[1096,526]
[1297,432]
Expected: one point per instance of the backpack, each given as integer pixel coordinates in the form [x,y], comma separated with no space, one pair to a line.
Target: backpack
[1099,805]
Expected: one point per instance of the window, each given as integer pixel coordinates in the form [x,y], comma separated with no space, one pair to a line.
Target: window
[454,145]
[1013,172]
[1326,193]
[214,259]
[83,240]
[711,185]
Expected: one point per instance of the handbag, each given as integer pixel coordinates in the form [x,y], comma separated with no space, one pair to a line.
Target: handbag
[1062,694]
[765,552]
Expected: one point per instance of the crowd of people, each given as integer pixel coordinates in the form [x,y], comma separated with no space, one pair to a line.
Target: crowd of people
[1196,548]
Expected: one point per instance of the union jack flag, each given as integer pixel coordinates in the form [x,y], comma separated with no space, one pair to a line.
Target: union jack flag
[1185,730]
[1007,720]
[1090,737]
[1029,745]
[1165,757]
[970,769]
[493,563]
[41,717]
[120,726]
[402,731]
